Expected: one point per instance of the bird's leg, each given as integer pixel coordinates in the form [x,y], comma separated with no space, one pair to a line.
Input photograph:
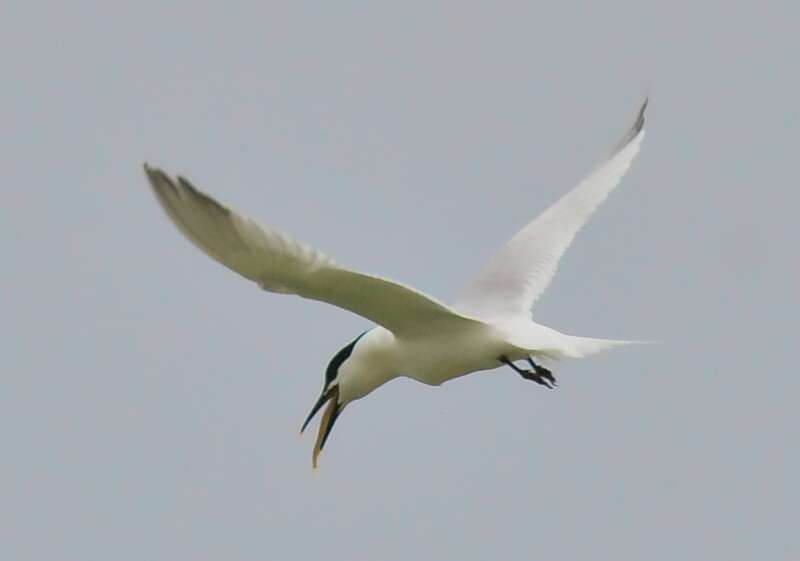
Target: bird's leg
[543,372]
[504,359]
[539,375]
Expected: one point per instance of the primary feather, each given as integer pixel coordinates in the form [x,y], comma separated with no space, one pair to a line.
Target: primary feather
[521,271]
[279,263]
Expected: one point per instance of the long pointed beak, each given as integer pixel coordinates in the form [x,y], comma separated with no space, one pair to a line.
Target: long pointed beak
[325,426]
[325,396]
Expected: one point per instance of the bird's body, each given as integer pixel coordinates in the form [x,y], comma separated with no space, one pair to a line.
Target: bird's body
[418,337]
[378,356]
[431,360]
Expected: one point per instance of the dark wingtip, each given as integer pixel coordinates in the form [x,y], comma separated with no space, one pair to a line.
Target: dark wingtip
[638,125]
[154,174]
[201,196]
[150,170]
[634,130]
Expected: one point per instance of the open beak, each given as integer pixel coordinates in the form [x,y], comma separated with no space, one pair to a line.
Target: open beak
[328,419]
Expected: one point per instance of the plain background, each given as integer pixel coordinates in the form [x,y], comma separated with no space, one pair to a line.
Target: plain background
[150,399]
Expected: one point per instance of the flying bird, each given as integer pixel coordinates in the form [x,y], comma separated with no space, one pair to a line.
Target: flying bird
[488,326]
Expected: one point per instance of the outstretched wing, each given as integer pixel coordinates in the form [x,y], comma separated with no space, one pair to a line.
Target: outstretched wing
[281,264]
[521,271]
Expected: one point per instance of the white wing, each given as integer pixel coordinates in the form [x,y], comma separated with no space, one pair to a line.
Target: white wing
[521,271]
[279,263]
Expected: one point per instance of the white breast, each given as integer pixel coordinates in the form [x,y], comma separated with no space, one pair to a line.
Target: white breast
[379,357]
[435,360]
[372,363]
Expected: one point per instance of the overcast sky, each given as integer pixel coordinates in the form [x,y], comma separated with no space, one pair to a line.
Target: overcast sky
[150,399]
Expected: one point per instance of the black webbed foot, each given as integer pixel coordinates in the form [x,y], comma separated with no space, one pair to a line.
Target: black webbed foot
[543,372]
[539,374]
[542,380]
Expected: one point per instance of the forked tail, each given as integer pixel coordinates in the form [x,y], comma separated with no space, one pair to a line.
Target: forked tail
[585,346]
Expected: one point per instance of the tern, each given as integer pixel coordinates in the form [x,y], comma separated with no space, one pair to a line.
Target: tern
[488,326]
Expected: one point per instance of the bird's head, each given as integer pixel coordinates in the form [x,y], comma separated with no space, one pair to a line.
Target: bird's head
[329,395]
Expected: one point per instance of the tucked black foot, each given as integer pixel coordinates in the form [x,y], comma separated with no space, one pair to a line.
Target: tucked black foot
[539,374]
[543,372]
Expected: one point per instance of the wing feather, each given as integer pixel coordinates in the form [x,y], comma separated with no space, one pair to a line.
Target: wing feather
[521,271]
[279,263]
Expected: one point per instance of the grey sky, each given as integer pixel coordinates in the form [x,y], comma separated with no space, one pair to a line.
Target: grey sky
[151,399]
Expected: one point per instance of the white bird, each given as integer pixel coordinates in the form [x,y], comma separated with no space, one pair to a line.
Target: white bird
[416,336]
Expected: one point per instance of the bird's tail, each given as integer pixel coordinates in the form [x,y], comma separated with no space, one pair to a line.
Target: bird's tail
[585,346]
